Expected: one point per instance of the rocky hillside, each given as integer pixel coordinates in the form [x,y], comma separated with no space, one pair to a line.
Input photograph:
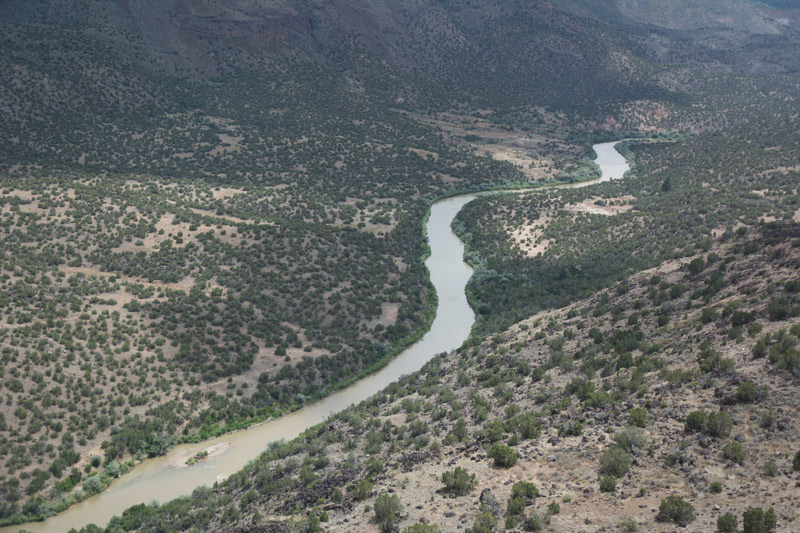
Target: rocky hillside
[211,215]
[667,399]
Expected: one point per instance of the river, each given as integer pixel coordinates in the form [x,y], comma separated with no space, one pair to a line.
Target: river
[167,477]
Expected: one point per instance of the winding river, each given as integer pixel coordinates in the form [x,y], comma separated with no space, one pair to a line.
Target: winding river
[164,478]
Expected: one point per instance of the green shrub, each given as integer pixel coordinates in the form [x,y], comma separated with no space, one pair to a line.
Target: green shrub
[719,424]
[628,525]
[361,490]
[746,392]
[630,439]
[696,422]
[727,523]
[796,461]
[716,487]
[515,506]
[770,468]
[460,430]
[757,521]
[677,510]
[608,483]
[741,318]
[708,315]
[697,265]
[571,428]
[387,508]
[503,455]
[523,489]
[638,417]
[422,528]
[759,349]
[778,309]
[484,523]
[535,522]
[615,462]
[553,508]
[458,481]
[527,426]
[734,452]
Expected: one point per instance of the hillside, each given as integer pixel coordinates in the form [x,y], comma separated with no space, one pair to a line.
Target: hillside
[677,381]
[211,211]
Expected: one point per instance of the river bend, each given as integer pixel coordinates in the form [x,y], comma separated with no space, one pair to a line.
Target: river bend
[164,478]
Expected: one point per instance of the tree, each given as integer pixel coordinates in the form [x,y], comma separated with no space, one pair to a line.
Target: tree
[524,489]
[361,490]
[503,455]
[458,481]
[696,421]
[608,483]
[696,266]
[727,523]
[757,521]
[638,417]
[746,392]
[677,510]
[615,462]
[387,508]
[734,452]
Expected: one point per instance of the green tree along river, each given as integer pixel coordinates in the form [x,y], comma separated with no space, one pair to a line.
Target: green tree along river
[167,477]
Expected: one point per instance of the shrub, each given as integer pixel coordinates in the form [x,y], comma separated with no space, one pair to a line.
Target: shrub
[759,349]
[535,522]
[361,490]
[523,489]
[734,452]
[503,455]
[719,424]
[615,462]
[571,428]
[746,392]
[608,483]
[716,487]
[387,508]
[460,430]
[778,309]
[727,523]
[515,506]
[757,521]
[553,508]
[628,525]
[484,523]
[638,417]
[512,521]
[696,421]
[527,426]
[708,315]
[458,481]
[630,439]
[770,468]
[677,510]
[422,528]
[796,461]
[697,265]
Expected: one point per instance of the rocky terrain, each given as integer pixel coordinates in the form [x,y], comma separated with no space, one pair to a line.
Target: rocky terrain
[211,214]
[597,404]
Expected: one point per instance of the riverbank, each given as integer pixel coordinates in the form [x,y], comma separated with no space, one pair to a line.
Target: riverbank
[158,479]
